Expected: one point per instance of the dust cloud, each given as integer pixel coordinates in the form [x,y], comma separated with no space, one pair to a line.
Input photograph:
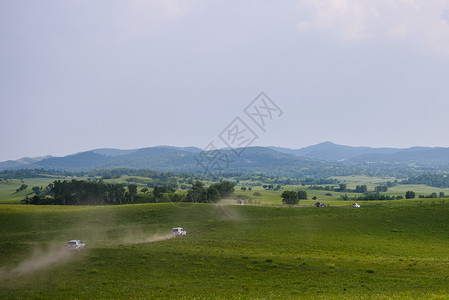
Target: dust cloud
[227,211]
[39,260]
[97,230]
[141,238]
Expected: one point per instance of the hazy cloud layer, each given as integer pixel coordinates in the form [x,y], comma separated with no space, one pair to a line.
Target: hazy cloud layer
[420,23]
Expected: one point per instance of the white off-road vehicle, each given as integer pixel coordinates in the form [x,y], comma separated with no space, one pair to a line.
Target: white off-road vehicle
[355,205]
[178,231]
[75,245]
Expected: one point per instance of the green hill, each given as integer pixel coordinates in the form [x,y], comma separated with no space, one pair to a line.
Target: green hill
[230,252]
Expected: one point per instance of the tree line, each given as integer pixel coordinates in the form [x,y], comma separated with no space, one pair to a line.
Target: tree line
[79,192]
[200,194]
[435,180]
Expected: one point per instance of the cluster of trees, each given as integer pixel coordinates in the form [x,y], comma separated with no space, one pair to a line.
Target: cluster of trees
[368,197]
[433,195]
[42,192]
[410,195]
[200,194]
[381,188]
[377,196]
[292,197]
[319,181]
[435,180]
[272,187]
[344,189]
[21,188]
[322,188]
[94,192]
[78,192]
[302,195]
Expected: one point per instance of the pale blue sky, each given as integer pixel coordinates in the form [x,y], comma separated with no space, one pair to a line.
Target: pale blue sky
[77,75]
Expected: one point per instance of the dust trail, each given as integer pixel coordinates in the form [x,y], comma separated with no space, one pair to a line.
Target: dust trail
[40,259]
[227,211]
[141,238]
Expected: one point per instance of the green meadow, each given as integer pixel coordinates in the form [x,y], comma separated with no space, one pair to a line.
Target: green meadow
[383,250]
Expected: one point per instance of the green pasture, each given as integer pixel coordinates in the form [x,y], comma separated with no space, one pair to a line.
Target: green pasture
[384,250]
[370,182]
[8,189]
[420,189]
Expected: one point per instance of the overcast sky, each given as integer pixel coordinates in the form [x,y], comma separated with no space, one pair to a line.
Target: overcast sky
[77,75]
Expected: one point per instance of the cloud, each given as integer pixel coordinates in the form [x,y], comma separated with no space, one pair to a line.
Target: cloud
[420,23]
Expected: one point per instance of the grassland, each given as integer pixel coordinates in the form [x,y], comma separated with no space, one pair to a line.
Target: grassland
[391,249]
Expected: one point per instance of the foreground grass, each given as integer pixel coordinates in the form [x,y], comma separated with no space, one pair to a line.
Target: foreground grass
[230,252]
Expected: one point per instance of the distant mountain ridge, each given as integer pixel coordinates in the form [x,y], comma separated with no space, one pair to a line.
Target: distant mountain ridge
[327,158]
[330,152]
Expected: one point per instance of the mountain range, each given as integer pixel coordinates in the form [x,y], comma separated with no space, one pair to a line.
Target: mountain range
[327,157]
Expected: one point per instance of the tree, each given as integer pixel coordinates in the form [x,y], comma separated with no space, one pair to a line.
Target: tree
[132,191]
[290,197]
[36,189]
[302,195]
[243,188]
[225,188]
[213,195]
[158,190]
[197,193]
[314,198]
[21,188]
[361,188]
[410,195]
[381,188]
[343,187]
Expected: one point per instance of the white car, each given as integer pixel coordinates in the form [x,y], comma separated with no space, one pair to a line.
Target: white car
[178,231]
[75,245]
[355,205]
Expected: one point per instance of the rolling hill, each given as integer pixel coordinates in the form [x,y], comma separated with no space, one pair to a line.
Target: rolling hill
[325,159]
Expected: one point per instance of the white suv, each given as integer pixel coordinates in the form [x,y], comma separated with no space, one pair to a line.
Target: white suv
[355,205]
[178,231]
[75,245]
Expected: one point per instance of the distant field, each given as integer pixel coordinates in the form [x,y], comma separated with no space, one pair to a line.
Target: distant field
[397,249]
[8,192]
[371,182]
[420,189]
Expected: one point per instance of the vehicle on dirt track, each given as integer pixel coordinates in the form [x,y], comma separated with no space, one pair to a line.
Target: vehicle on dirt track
[320,204]
[75,245]
[355,205]
[178,231]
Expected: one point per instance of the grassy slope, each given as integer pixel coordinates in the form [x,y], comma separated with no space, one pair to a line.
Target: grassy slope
[8,190]
[235,251]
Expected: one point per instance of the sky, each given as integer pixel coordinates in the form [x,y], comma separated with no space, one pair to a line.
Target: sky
[77,75]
